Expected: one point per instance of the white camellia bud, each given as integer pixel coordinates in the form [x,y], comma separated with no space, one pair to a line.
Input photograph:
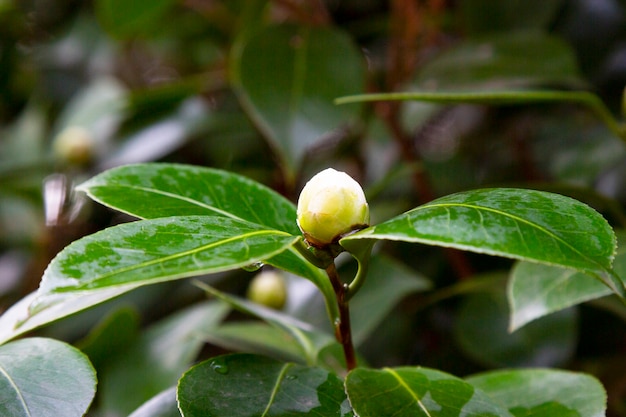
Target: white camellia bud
[331,204]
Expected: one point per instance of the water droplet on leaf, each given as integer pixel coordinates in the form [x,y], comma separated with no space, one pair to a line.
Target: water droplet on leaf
[219,367]
[253,267]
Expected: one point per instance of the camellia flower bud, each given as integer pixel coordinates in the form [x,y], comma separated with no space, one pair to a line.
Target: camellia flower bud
[74,145]
[331,204]
[268,288]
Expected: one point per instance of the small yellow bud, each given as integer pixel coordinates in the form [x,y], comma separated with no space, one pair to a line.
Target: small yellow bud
[268,288]
[74,145]
[331,204]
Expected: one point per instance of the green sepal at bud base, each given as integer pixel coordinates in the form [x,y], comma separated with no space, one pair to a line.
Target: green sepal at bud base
[361,250]
[331,205]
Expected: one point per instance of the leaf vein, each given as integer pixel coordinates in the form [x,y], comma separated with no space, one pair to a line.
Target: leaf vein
[182,198]
[520,220]
[17,390]
[279,380]
[178,255]
[408,389]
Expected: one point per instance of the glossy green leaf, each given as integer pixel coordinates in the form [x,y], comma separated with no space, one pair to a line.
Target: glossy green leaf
[415,391]
[124,19]
[157,359]
[544,392]
[160,249]
[522,224]
[536,290]
[163,404]
[44,378]
[108,263]
[481,331]
[308,339]
[156,190]
[287,77]
[248,385]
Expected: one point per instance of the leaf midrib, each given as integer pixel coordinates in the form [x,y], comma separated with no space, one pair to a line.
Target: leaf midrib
[89,285]
[163,193]
[524,221]
[16,388]
[279,380]
[504,214]
[404,385]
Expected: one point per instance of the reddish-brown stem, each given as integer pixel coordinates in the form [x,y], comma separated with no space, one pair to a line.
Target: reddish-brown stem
[343,331]
[312,11]
[390,114]
[408,33]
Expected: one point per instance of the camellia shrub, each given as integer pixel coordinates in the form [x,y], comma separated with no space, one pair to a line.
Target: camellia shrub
[196,221]
[315,208]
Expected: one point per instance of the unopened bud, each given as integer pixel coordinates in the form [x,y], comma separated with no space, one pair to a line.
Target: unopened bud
[331,204]
[268,288]
[74,145]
